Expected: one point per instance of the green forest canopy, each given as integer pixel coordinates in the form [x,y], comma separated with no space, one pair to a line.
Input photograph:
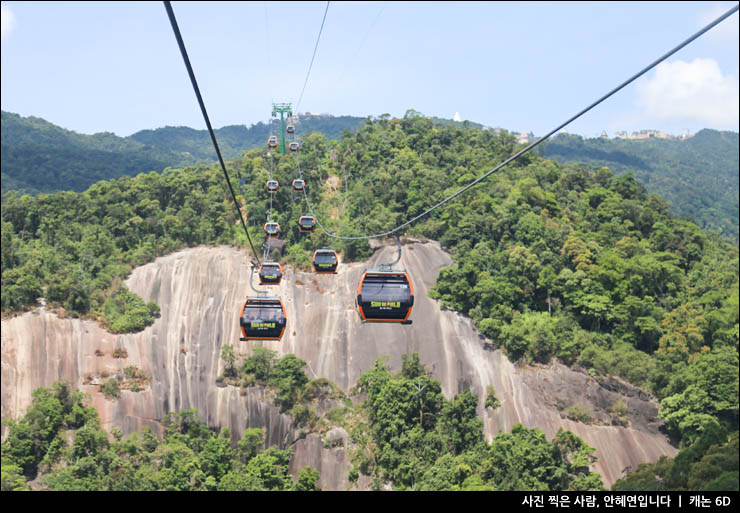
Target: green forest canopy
[698,176]
[38,156]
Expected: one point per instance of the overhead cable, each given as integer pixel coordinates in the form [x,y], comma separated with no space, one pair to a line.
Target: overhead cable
[312,58]
[537,142]
[184,53]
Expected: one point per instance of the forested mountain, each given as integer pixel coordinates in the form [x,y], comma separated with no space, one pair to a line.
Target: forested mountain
[234,139]
[698,176]
[38,156]
[552,261]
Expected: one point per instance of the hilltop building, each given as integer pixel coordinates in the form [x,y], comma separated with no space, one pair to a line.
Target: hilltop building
[649,134]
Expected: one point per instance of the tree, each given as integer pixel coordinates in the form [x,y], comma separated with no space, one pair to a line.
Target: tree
[706,389]
[250,443]
[12,477]
[411,367]
[260,364]
[217,455]
[270,468]
[227,355]
[289,380]
[491,400]
[682,332]
[532,334]
[460,426]
[308,480]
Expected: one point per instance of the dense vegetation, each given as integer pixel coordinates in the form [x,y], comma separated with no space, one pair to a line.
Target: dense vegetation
[408,434]
[404,434]
[75,249]
[234,139]
[697,176]
[285,377]
[189,457]
[38,156]
[710,464]
[553,260]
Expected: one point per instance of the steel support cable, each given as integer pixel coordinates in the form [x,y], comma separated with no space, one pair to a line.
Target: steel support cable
[537,142]
[267,35]
[312,58]
[184,53]
[362,42]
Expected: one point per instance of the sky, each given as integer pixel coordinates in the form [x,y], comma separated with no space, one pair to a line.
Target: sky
[524,66]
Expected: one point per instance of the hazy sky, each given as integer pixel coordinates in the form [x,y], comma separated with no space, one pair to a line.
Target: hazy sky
[116,67]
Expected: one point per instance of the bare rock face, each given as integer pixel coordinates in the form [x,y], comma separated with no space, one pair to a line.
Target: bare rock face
[201,291]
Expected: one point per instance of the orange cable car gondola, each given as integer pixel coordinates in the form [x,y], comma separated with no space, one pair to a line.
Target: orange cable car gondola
[385,296]
[293,147]
[325,261]
[306,224]
[272,229]
[298,185]
[262,318]
[272,186]
[272,142]
[271,273]
[290,129]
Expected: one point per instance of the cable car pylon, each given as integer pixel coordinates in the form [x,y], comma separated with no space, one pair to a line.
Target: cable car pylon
[282,109]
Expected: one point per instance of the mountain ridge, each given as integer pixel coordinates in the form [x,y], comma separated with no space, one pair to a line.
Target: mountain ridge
[698,176]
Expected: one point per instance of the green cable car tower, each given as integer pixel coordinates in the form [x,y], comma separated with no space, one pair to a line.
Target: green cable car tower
[282,108]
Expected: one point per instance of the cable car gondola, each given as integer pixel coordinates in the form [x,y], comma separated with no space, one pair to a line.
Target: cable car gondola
[293,147]
[325,261]
[306,224]
[385,296]
[298,185]
[272,229]
[290,129]
[272,142]
[272,186]
[262,318]
[271,273]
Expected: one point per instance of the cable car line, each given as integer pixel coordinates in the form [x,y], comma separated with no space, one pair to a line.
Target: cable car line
[362,42]
[183,51]
[267,36]
[385,294]
[537,142]
[312,58]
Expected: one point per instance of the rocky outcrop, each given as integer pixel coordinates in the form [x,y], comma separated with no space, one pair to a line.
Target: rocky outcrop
[200,292]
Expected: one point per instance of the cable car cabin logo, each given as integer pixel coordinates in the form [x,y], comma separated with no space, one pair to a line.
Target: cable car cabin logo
[385,304]
[262,325]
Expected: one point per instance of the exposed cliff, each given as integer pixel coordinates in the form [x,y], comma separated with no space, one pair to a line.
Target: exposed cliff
[200,292]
